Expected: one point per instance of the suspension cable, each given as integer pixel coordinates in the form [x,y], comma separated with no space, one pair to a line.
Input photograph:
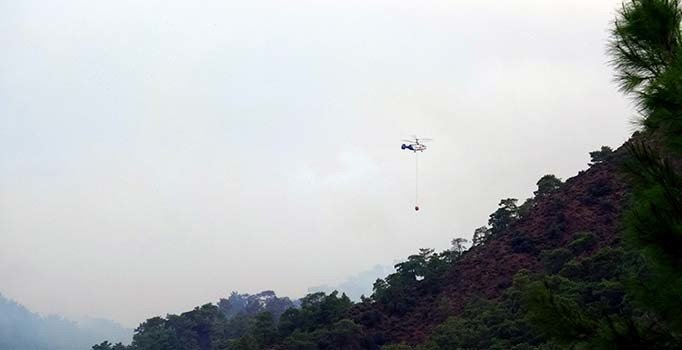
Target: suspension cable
[416,179]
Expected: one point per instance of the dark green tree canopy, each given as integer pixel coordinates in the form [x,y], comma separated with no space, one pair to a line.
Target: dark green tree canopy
[458,246]
[646,52]
[481,234]
[108,346]
[599,156]
[547,185]
[504,216]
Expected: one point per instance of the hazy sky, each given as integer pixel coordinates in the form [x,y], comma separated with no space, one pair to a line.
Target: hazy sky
[156,155]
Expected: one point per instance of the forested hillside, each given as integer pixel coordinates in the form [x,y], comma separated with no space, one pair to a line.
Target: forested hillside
[590,263]
[564,222]
[565,240]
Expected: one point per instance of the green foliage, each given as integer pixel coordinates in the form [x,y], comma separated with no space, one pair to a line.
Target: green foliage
[237,326]
[646,50]
[108,346]
[646,41]
[155,334]
[524,209]
[246,342]
[583,242]
[655,220]
[504,216]
[547,185]
[320,309]
[580,302]
[264,330]
[322,322]
[422,274]
[594,302]
[554,260]
[458,333]
[508,212]
[559,317]
[655,229]
[603,265]
[481,235]
[251,305]
[458,247]
[343,335]
[602,155]
[586,305]
[486,325]
[300,341]
[103,346]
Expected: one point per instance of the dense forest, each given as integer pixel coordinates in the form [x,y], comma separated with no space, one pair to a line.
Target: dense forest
[589,263]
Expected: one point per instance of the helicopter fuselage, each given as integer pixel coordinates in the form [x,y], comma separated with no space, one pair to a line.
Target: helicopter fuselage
[414,147]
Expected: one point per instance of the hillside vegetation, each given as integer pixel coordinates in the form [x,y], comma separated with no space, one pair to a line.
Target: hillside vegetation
[590,263]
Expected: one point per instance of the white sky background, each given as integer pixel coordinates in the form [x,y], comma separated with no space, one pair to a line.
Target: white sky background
[156,156]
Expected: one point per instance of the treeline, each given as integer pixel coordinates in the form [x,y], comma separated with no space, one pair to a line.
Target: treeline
[333,321]
[316,320]
[581,298]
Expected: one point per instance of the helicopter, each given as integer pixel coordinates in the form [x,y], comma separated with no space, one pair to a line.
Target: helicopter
[415,144]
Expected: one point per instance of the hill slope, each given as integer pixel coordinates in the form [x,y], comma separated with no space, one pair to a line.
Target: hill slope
[429,289]
[593,201]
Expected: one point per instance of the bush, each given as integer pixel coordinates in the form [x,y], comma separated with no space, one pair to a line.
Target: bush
[554,260]
[583,242]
